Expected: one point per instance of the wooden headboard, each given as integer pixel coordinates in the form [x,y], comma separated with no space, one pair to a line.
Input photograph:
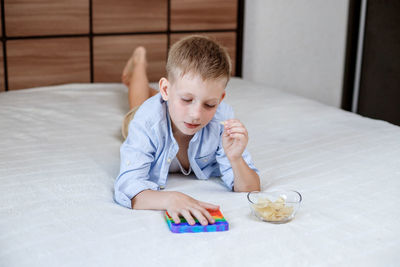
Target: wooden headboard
[49,42]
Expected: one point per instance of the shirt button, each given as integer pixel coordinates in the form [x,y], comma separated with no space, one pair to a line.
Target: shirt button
[128,162]
[205,160]
[169,160]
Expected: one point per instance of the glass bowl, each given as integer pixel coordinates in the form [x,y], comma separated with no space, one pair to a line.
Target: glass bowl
[274,206]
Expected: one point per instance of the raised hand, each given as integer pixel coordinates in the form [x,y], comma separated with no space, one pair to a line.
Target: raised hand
[234,139]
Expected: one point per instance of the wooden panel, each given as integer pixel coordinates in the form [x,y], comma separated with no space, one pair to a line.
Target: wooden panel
[226,39]
[379,95]
[46,17]
[121,16]
[48,61]
[2,87]
[203,14]
[112,52]
[39,62]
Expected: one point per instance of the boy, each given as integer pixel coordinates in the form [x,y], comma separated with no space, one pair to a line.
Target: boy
[185,127]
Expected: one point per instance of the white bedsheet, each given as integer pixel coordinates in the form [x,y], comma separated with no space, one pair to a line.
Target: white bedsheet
[59,157]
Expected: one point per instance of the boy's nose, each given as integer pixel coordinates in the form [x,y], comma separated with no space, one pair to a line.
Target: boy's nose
[195,112]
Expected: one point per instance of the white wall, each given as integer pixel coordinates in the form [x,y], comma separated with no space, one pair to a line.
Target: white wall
[297,46]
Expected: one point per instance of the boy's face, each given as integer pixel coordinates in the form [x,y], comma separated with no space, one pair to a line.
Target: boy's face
[192,102]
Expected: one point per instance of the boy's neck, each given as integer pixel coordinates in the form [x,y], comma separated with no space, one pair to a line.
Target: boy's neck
[182,137]
[179,136]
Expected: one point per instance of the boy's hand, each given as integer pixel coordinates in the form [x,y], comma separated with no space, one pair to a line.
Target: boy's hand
[181,204]
[234,139]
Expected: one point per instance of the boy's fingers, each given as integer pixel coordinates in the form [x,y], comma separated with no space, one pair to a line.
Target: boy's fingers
[237,130]
[207,215]
[186,214]
[196,213]
[233,122]
[236,136]
[175,217]
[235,127]
[228,123]
[208,205]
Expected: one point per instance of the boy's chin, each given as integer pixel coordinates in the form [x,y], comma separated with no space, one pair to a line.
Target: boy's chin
[189,131]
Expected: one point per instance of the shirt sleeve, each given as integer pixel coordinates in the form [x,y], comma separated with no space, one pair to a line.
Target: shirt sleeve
[225,167]
[137,154]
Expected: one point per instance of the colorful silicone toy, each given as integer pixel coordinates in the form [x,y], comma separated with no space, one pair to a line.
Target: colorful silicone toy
[183,227]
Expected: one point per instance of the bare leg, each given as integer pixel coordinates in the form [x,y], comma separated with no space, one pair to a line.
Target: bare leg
[134,76]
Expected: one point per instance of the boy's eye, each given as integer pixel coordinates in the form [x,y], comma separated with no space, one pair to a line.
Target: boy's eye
[186,100]
[210,106]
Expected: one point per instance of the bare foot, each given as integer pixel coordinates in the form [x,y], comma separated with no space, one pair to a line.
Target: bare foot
[137,59]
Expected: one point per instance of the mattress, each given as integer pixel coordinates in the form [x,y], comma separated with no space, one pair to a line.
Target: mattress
[59,157]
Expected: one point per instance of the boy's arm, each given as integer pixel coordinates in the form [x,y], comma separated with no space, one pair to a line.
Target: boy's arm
[234,141]
[245,179]
[175,203]
[137,154]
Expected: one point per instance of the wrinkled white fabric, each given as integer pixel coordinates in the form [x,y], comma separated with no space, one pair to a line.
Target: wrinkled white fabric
[59,156]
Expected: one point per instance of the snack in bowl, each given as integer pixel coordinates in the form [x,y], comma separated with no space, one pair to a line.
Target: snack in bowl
[274,206]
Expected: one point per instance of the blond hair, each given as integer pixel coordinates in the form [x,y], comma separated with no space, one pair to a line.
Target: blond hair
[197,54]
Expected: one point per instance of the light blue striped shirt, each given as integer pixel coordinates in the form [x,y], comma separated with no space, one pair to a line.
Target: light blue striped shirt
[150,147]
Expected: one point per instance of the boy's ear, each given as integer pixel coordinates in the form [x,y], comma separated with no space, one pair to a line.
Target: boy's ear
[164,86]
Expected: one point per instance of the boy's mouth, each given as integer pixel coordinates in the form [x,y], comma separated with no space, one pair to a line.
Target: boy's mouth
[191,126]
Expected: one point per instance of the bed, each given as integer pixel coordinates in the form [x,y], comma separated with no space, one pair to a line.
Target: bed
[59,158]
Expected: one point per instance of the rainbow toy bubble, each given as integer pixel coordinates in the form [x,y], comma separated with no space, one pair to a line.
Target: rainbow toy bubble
[183,227]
